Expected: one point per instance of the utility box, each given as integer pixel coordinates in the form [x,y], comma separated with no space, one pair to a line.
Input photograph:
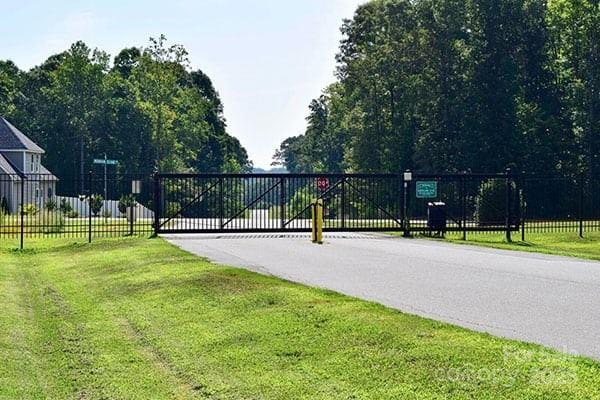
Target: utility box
[436,216]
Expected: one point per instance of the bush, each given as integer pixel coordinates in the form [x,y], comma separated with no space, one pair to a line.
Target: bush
[65,207]
[53,222]
[50,205]
[4,205]
[298,203]
[29,209]
[172,209]
[95,202]
[126,201]
[72,214]
[490,203]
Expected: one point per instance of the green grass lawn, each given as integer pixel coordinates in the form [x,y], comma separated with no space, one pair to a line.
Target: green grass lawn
[138,318]
[562,243]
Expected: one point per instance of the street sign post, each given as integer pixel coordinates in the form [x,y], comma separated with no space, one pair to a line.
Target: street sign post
[106,162]
[426,189]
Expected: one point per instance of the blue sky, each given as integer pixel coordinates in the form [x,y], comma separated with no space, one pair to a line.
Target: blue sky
[267,58]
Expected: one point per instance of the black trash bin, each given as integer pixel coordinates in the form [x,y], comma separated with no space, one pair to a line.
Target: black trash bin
[436,216]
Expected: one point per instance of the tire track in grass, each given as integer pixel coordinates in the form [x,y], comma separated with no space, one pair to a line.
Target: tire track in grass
[184,381]
[62,341]
[106,360]
[21,374]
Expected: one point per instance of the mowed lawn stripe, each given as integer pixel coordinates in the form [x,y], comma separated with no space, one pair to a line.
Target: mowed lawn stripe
[22,371]
[139,318]
[73,347]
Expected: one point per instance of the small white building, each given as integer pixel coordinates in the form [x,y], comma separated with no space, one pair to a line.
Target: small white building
[20,161]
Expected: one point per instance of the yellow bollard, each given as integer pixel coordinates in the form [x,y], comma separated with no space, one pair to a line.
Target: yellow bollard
[317,221]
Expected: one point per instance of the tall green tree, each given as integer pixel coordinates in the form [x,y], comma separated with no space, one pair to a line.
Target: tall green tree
[148,110]
[9,86]
[451,85]
[575,37]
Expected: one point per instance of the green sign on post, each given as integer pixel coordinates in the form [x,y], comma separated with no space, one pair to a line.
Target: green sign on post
[426,189]
[105,162]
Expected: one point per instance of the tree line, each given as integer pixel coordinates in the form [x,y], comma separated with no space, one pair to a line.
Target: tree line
[148,109]
[459,85]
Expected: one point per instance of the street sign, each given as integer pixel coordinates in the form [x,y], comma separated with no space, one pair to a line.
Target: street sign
[322,183]
[426,189]
[105,162]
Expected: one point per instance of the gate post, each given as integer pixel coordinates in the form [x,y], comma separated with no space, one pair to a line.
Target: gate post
[22,211]
[221,203]
[282,203]
[343,208]
[463,205]
[508,205]
[581,196]
[406,179]
[89,200]
[156,204]
[523,205]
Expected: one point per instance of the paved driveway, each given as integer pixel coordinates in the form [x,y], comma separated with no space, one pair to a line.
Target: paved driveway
[549,300]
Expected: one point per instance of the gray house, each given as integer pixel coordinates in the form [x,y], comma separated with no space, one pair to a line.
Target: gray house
[20,161]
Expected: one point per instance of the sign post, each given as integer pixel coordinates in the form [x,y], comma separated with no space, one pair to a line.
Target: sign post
[136,188]
[105,161]
[407,177]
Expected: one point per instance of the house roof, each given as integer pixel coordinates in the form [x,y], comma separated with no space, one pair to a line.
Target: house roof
[45,174]
[13,139]
[6,167]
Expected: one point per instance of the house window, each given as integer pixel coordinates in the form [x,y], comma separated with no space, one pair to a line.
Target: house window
[49,192]
[34,162]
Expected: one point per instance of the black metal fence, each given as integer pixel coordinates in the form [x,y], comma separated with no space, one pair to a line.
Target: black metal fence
[35,205]
[560,204]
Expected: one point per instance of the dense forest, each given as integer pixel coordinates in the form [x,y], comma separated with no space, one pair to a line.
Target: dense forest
[459,85]
[146,108]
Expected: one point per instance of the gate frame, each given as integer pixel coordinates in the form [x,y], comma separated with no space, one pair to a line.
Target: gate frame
[403,201]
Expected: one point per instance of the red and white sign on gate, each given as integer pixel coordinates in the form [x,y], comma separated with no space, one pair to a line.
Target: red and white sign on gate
[322,183]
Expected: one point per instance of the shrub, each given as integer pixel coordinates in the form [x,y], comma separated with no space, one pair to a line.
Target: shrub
[298,203]
[29,209]
[95,202]
[126,201]
[72,214]
[53,222]
[65,207]
[50,205]
[490,202]
[4,205]
[172,209]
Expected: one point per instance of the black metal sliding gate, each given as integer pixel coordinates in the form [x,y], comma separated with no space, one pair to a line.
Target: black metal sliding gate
[211,203]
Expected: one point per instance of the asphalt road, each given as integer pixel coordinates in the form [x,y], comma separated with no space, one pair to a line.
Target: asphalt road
[549,300]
